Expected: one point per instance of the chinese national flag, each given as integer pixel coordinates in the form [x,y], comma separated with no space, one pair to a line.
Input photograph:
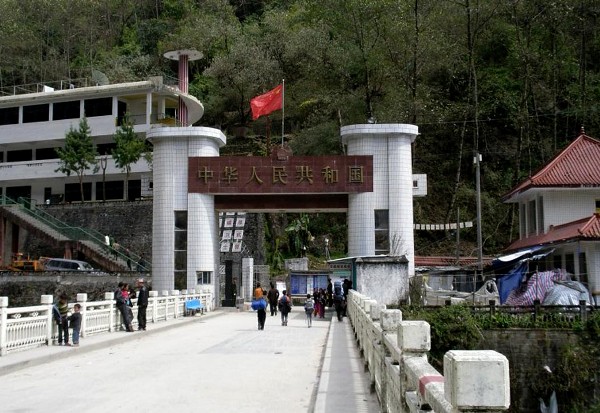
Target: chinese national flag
[266,103]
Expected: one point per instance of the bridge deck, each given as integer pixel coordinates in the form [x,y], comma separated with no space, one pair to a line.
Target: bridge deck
[214,363]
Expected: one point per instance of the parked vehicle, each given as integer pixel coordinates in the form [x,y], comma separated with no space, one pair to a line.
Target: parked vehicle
[63,264]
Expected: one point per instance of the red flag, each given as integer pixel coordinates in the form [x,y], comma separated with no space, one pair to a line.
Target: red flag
[267,103]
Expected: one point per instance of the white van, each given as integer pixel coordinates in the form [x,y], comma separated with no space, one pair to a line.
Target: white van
[62,264]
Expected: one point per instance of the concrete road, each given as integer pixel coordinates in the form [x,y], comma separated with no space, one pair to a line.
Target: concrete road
[215,364]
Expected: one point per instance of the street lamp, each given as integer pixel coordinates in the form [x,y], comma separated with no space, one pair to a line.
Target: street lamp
[103,164]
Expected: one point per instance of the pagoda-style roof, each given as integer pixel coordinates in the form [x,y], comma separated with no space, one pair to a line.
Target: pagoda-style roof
[576,166]
[587,229]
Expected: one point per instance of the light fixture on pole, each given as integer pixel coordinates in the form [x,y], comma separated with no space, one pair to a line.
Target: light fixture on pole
[476,161]
[103,164]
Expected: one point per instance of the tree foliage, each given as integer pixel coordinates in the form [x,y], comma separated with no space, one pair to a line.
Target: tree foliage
[78,154]
[128,150]
[513,80]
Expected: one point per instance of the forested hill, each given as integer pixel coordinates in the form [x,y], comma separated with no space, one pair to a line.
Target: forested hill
[514,80]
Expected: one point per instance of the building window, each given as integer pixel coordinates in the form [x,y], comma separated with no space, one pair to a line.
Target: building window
[9,116]
[36,113]
[66,110]
[382,230]
[570,263]
[98,107]
[19,156]
[204,277]
[180,248]
[597,206]
[531,218]
[557,261]
[583,272]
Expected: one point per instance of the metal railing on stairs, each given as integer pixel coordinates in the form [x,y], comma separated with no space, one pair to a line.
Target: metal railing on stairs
[95,239]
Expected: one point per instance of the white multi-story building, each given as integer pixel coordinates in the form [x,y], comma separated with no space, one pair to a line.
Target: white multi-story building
[33,125]
[559,208]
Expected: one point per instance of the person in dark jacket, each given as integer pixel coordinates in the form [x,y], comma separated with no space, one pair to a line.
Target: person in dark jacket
[142,303]
[75,324]
[273,297]
[62,309]
[121,301]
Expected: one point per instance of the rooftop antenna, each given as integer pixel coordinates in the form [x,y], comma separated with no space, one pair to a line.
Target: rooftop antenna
[183,57]
[99,78]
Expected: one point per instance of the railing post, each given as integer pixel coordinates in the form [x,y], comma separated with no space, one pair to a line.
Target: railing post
[492,308]
[583,310]
[175,293]
[111,313]
[476,380]
[536,310]
[153,302]
[82,300]
[47,300]
[3,317]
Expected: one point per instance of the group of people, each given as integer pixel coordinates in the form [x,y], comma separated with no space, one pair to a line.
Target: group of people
[333,296]
[123,295]
[282,303]
[65,320]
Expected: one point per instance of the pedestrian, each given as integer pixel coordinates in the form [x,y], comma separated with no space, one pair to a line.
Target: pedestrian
[339,300]
[309,307]
[60,316]
[75,324]
[261,311]
[329,293]
[142,304]
[140,264]
[285,306]
[128,258]
[322,302]
[273,297]
[122,306]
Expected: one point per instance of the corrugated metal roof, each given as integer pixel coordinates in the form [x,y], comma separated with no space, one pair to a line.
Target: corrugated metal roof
[578,165]
[582,229]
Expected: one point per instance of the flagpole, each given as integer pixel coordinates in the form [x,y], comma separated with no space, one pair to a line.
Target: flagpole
[282,109]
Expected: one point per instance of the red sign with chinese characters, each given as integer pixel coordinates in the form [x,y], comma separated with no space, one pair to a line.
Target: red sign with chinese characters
[270,175]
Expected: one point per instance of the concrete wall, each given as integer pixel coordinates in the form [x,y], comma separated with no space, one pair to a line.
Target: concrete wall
[528,351]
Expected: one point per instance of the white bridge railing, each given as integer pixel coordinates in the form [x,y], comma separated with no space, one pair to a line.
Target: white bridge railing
[23,328]
[395,353]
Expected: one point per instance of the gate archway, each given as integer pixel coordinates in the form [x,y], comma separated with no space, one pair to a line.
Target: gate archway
[372,183]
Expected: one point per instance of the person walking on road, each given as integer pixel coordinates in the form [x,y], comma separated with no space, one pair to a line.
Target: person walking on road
[273,296]
[309,307]
[285,306]
[261,312]
[142,304]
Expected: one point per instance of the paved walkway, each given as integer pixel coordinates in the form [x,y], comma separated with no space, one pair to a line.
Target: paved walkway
[217,362]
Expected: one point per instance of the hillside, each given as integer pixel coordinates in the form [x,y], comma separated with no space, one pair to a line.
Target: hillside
[513,81]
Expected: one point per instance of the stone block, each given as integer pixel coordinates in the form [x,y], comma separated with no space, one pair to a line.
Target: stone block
[477,380]
[376,311]
[390,319]
[414,336]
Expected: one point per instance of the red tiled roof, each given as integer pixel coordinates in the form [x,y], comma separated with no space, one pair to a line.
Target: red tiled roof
[582,229]
[578,165]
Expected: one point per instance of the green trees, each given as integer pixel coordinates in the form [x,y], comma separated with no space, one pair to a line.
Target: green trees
[78,154]
[129,149]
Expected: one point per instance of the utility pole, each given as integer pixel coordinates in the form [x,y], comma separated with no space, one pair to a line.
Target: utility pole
[476,161]
[457,236]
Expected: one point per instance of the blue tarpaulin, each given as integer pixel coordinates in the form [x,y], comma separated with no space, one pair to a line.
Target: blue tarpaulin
[511,281]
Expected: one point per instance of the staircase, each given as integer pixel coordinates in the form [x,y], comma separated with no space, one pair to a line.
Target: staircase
[90,242]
